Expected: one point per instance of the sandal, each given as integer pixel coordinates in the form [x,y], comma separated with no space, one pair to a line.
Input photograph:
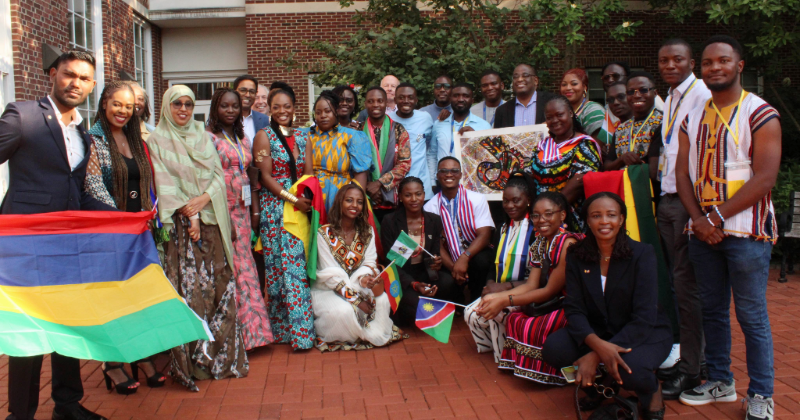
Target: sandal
[654,415]
[156,381]
[123,388]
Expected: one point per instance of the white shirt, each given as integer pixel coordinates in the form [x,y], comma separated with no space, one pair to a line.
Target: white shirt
[76,151]
[480,209]
[249,129]
[603,283]
[697,96]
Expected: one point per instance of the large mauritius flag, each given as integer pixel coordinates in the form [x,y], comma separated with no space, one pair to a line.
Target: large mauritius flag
[88,285]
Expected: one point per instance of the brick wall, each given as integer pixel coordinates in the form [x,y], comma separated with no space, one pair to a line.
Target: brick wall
[34,22]
[118,52]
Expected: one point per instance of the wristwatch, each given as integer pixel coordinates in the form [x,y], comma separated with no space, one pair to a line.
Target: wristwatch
[469,256]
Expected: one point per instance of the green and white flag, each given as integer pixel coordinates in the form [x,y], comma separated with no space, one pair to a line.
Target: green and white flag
[402,249]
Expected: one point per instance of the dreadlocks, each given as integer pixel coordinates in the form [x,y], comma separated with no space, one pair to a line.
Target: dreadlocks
[213,114]
[133,136]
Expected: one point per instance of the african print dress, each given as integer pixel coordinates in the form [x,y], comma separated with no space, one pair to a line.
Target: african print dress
[571,157]
[339,322]
[511,265]
[338,154]
[287,285]
[641,134]
[525,335]
[251,309]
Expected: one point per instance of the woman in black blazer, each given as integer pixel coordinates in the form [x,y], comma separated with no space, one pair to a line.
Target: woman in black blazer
[421,275]
[612,309]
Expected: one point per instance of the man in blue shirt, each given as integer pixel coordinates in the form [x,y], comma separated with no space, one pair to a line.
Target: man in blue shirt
[418,124]
[460,121]
[442,87]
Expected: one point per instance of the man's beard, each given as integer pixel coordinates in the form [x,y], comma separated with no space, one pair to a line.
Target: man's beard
[72,103]
[719,87]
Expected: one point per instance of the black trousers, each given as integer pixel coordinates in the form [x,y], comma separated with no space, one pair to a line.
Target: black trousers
[560,350]
[24,383]
[480,268]
[407,310]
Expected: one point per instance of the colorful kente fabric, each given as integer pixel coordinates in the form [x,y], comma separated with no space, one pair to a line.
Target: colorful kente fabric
[641,131]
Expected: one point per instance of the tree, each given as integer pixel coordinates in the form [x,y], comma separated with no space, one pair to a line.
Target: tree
[462,38]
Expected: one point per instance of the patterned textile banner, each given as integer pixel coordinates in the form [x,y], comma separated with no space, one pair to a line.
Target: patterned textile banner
[489,157]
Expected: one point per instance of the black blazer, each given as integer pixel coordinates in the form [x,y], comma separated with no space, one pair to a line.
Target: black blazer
[504,116]
[41,179]
[628,314]
[397,221]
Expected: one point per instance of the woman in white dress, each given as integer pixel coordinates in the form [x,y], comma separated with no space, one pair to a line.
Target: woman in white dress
[351,310]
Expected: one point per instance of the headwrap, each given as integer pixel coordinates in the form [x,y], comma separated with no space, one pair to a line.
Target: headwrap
[186,165]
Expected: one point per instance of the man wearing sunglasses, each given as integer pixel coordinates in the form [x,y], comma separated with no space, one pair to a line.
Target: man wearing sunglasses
[440,109]
[638,140]
[527,108]
[616,72]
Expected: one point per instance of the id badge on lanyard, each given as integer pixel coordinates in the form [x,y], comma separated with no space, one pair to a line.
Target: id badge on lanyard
[662,162]
[739,171]
[246,197]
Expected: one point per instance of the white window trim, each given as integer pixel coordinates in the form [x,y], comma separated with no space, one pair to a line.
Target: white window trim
[97,41]
[150,89]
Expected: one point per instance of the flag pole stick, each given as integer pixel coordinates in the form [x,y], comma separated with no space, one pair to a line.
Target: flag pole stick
[386,268]
[426,251]
[444,301]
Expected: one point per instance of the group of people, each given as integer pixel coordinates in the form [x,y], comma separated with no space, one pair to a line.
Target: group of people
[559,284]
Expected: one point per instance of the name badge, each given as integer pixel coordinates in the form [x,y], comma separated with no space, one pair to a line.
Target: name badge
[737,174]
[662,163]
[420,137]
[246,195]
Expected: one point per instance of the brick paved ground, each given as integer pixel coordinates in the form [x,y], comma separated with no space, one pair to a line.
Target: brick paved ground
[415,379]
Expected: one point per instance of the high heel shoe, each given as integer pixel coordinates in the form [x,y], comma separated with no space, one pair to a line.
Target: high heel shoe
[121,388]
[155,381]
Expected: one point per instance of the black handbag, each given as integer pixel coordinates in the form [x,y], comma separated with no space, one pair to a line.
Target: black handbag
[544,308]
[620,409]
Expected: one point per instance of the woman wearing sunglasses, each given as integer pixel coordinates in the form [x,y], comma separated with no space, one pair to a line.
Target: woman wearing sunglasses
[198,257]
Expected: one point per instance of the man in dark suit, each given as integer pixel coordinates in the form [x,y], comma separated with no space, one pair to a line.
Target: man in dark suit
[528,106]
[47,150]
[253,121]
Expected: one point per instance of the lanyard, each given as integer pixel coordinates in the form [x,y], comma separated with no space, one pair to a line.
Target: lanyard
[674,114]
[453,130]
[493,115]
[238,150]
[734,134]
[634,137]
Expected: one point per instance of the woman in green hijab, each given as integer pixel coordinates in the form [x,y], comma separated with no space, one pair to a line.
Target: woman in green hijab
[192,207]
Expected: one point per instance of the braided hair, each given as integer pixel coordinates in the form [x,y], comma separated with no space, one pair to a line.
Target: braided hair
[133,135]
[331,98]
[277,129]
[338,90]
[213,122]
[522,182]
[576,123]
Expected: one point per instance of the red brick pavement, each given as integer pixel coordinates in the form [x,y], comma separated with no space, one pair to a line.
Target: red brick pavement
[418,378]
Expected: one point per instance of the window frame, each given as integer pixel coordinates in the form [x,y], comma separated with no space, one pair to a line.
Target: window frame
[88,108]
[146,67]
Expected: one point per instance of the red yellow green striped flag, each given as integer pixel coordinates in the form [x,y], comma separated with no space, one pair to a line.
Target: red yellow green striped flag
[391,283]
[304,225]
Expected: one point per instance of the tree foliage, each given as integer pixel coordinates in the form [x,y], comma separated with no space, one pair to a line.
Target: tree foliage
[463,38]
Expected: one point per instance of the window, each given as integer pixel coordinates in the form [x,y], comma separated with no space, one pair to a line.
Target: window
[753,82]
[83,37]
[203,92]
[314,91]
[142,58]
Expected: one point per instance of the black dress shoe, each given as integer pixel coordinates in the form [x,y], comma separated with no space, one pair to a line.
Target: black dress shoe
[77,413]
[671,389]
[668,373]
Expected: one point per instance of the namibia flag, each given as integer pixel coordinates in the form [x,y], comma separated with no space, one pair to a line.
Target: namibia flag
[435,317]
[88,285]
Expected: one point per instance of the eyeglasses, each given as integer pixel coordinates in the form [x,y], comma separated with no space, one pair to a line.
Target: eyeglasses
[178,105]
[546,216]
[523,76]
[449,171]
[245,91]
[643,91]
[441,85]
[612,77]
[619,98]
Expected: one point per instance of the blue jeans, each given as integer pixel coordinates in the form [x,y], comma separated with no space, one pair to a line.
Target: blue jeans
[741,266]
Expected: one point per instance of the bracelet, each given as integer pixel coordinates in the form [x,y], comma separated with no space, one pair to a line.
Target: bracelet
[195,217]
[286,195]
[716,208]
[709,220]
[511,300]
[256,214]
[414,285]
[469,256]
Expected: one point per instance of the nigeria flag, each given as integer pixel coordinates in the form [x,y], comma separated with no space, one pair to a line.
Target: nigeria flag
[402,249]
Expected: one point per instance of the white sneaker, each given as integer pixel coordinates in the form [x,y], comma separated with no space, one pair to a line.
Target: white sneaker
[674,357]
[709,392]
[759,408]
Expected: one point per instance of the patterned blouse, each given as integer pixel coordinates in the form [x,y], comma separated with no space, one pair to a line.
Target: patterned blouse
[642,132]
[591,116]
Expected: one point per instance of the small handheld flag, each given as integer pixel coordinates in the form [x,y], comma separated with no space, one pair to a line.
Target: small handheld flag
[391,282]
[402,249]
[435,317]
